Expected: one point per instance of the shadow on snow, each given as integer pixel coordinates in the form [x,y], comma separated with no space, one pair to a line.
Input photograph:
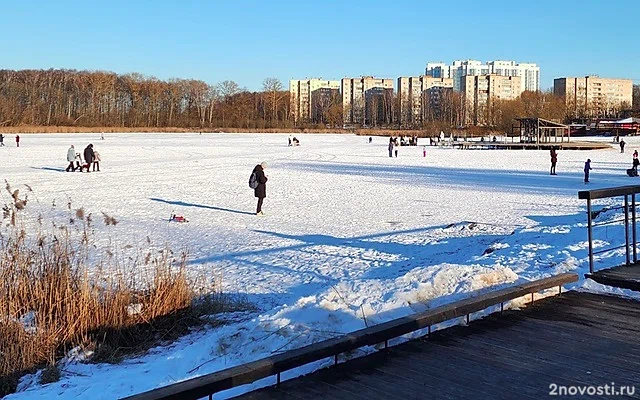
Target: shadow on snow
[184,204]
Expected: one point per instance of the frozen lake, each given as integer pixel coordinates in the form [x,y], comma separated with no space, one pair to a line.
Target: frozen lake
[348,232]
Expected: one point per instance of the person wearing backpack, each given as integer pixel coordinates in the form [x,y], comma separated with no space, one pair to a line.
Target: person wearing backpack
[258,182]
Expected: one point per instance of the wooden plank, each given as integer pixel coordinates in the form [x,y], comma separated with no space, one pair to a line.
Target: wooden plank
[608,192]
[204,385]
[468,372]
[553,356]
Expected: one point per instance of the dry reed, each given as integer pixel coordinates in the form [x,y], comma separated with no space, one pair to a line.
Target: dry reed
[53,298]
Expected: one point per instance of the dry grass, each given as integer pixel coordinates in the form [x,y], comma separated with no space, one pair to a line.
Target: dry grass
[53,298]
[427,132]
[115,129]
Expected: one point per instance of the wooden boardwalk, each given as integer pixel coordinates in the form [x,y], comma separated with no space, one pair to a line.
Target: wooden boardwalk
[570,339]
[624,276]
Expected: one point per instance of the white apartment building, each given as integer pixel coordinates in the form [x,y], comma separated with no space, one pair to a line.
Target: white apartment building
[416,94]
[480,91]
[367,100]
[529,73]
[302,96]
[594,96]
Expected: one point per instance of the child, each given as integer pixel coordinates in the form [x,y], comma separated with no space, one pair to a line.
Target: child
[424,151]
[96,161]
[587,168]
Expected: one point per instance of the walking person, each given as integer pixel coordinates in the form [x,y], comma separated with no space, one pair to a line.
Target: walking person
[424,151]
[88,156]
[554,160]
[1,140]
[587,168]
[17,140]
[622,143]
[96,161]
[390,147]
[261,190]
[71,157]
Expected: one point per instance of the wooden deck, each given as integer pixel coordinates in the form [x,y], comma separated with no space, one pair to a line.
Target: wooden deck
[570,339]
[624,276]
[474,145]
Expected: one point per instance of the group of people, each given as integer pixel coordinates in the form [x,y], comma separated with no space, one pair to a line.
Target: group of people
[2,140]
[554,160]
[293,141]
[633,171]
[76,163]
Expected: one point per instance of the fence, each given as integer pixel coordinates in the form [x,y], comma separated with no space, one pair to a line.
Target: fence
[629,194]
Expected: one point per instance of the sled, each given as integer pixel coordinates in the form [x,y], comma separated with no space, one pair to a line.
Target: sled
[177,218]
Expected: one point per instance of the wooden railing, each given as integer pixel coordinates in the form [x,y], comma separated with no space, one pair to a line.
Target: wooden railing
[206,385]
[629,194]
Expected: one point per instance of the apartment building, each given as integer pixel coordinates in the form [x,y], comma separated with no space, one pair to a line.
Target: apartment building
[481,91]
[310,97]
[367,100]
[419,94]
[592,96]
[528,72]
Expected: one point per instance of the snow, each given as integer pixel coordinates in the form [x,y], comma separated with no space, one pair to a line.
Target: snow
[351,237]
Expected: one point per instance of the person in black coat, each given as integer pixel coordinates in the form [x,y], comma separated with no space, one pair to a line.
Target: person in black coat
[88,156]
[260,190]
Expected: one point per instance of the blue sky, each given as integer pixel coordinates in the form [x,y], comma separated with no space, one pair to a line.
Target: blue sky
[247,41]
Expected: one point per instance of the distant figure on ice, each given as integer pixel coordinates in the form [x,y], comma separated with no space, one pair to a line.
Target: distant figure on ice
[370,139]
[296,142]
[88,157]
[261,189]
[396,151]
[102,135]
[622,143]
[289,140]
[71,157]
[587,168]
[96,161]
[17,140]
[554,160]
[1,139]
[636,162]
[390,147]
[424,151]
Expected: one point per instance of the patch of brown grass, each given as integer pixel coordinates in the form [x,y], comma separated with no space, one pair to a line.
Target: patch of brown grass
[53,298]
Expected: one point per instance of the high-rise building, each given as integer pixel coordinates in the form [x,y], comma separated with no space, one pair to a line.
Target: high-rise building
[529,73]
[594,96]
[306,104]
[481,91]
[417,94]
[367,100]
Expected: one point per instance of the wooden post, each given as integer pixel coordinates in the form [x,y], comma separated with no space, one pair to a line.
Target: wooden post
[633,227]
[626,227]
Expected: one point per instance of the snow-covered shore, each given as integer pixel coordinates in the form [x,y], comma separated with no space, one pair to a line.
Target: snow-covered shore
[351,236]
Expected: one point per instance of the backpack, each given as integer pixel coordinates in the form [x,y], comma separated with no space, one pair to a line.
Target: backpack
[253,180]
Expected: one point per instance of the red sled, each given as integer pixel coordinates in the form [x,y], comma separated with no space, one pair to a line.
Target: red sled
[177,218]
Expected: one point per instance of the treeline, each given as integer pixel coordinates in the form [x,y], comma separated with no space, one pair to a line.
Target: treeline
[71,98]
[93,99]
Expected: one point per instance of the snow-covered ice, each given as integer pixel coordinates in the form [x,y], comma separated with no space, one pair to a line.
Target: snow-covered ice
[351,237]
